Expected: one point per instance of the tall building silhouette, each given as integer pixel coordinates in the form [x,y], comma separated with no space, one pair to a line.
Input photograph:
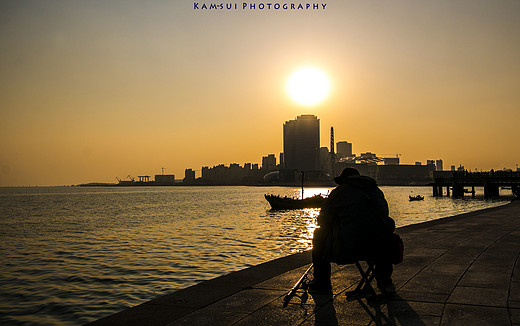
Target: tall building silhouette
[344,149]
[269,162]
[438,165]
[301,143]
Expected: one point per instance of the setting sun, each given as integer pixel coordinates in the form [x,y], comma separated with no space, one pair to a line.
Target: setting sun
[308,86]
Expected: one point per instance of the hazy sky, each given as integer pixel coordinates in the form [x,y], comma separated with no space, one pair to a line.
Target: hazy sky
[91,89]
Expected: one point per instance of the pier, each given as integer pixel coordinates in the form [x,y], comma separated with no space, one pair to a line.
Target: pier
[460,270]
[458,181]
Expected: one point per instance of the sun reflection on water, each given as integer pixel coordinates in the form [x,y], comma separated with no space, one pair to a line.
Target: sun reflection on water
[311,192]
[308,216]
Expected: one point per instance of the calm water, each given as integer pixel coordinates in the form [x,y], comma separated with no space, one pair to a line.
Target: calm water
[72,255]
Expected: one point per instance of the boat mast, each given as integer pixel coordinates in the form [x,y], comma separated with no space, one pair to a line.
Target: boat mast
[302,184]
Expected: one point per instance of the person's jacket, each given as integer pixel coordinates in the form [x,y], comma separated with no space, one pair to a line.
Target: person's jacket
[355,215]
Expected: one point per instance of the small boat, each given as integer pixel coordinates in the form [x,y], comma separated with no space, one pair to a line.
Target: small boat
[418,197]
[281,203]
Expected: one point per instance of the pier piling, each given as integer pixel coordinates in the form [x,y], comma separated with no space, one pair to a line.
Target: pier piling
[458,180]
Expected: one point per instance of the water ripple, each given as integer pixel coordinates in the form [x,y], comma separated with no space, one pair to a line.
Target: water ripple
[72,255]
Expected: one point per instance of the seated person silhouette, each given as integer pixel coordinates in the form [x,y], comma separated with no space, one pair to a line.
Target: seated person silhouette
[353,225]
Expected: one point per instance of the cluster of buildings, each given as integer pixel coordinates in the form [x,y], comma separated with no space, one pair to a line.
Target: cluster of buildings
[303,156]
[302,153]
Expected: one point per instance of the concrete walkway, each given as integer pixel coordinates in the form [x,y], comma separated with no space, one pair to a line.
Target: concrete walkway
[461,270]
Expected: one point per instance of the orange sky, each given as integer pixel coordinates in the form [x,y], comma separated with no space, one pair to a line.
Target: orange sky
[91,90]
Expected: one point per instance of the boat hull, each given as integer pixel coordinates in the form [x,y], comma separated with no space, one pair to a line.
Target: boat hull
[282,203]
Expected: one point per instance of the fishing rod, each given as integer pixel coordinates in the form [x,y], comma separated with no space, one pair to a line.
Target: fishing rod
[301,284]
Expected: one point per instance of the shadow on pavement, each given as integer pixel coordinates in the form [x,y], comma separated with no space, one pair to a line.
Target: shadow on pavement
[401,313]
[324,311]
[380,310]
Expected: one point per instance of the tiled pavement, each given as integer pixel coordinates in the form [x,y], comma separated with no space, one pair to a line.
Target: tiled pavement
[461,270]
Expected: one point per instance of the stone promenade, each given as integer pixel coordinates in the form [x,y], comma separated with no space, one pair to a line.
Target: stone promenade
[460,270]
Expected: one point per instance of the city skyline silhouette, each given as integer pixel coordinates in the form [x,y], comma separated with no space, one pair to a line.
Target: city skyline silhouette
[92,91]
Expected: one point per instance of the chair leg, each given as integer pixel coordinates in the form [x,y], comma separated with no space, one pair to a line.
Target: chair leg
[364,288]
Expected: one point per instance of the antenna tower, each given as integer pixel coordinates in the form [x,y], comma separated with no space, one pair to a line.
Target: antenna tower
[332,154]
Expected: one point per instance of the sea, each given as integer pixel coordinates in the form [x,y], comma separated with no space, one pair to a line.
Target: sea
[72,255]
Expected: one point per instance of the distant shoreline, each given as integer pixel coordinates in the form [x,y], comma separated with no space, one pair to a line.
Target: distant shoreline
[310,185]
[115,185]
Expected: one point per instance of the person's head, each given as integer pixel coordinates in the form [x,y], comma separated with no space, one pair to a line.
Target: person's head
[347,172]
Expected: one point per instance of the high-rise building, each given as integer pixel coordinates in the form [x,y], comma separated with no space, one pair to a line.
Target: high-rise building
[301,143]
[438,165]
[324,158]
[189,176]
[269,162]
[344,149]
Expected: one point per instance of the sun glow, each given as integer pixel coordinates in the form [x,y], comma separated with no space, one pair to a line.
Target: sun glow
[308,86]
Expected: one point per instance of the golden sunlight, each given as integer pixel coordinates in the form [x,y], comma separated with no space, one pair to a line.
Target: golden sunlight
[308,86]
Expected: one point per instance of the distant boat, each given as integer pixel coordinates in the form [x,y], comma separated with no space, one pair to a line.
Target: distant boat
[418,197]
[281,203]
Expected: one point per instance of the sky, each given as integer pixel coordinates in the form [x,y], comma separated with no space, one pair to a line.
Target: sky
[92,90]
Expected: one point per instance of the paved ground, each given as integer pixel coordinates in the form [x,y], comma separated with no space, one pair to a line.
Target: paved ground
[461,270]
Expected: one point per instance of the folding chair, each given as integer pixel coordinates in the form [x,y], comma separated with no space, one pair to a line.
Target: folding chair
[364,288]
